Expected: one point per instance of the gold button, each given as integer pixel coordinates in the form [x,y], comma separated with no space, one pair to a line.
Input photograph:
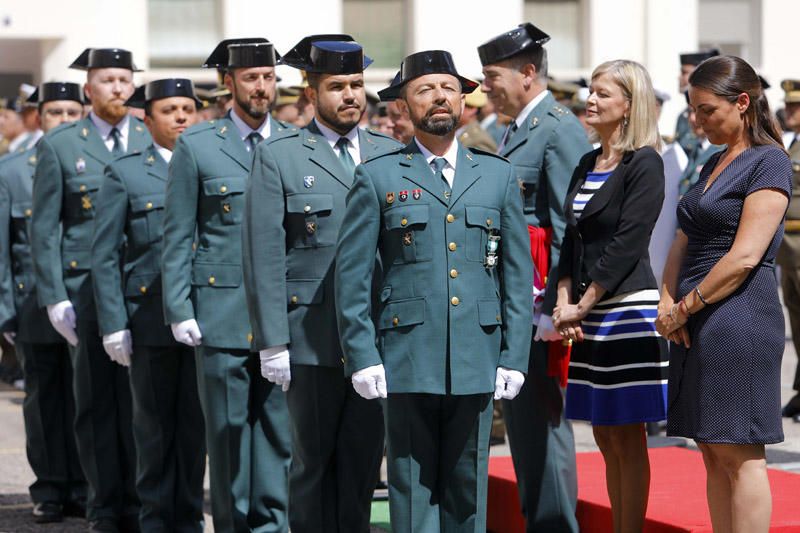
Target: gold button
[143,289]
[28,212]
[454,273]
[452,247]
[307,209]
[149,205]
[73,264]
[454,300]
[395,321]
[404,222]
[212,280]
[450,217]
[82,188]
[294,299]
[21,285]
[488,221]
[497,318]
[223,189]
[249,337]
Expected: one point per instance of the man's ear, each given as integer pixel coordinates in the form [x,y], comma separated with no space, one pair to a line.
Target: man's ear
[310,94]
[227,80]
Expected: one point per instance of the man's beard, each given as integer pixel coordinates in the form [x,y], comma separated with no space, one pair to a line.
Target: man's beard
[112,112]
[438,125]
[338,125]
[252,110]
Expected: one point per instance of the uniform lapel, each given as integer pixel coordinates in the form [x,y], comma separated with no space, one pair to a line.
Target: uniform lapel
[322,155]
[467,173]
[533,119]
[138,139]
[232,143]
[416,170]
[93,145]
[155,164]
[366,146]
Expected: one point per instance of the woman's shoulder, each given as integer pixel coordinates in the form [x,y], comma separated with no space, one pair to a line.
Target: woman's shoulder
[645,157]
[770,153]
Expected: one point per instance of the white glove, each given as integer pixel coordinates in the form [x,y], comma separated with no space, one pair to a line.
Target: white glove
[275,366]
[546,331]
[119,346]
[370,382]
[10,337]
[62,317]
[507,383]
[187,332]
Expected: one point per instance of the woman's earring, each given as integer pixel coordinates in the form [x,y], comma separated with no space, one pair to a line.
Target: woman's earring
[624,123]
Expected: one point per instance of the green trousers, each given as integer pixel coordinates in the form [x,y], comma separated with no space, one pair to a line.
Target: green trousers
[337,448]
[170,440]
[103,428]
[48,412]
[438,459]
[248,439]
[543,450]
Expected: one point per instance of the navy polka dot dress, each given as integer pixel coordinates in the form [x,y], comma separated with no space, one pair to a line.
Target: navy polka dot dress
[726,387]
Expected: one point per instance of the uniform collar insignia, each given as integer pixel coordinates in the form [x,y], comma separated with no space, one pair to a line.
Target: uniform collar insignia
[32,160]
[139,128]
[151,159]
[85,132]
[223,129]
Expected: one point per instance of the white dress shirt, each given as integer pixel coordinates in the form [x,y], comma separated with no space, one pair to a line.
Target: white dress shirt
[451,156]
[104,128]
[332,137]
[244,130]
[523,115]
[165,153]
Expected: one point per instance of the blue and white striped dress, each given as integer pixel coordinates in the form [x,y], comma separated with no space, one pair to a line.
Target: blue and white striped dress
[618,374]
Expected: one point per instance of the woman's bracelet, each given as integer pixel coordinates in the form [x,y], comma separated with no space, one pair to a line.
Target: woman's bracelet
[700,295]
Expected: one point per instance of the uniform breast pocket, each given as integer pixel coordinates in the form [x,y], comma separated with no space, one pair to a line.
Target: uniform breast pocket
[528,178]
[307,220]
[147,218]
[226,195]
[80,195]
[480,222]
[407,234]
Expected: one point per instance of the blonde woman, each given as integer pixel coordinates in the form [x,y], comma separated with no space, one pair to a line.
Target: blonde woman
[607,293]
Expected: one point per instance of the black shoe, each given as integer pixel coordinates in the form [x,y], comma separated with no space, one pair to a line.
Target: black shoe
[75,509]
[103,525]
[792,407]
[47,513]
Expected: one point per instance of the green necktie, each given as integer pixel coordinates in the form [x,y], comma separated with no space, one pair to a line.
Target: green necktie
[116,150]
[252,141]
[438,171]
[344,156]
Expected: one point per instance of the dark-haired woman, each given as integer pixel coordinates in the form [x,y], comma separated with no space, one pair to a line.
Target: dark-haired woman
[719,303]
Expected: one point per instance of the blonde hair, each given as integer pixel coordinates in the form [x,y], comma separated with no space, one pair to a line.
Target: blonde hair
[642,124]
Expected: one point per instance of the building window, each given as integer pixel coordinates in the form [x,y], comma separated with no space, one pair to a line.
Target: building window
[561,19]
[379,26]
[180,31]
[732,26]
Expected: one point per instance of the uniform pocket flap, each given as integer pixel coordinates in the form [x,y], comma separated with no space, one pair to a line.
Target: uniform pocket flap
[304,291]
[224,186]
[147,203]
[76,259]
[21,210]
[83,184]
[489,312]
[403,216]
[309,203]
[141,284]
[216,274]
[485,217]
[400,313]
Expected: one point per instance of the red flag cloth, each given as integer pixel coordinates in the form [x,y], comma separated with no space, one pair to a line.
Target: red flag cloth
[557,352]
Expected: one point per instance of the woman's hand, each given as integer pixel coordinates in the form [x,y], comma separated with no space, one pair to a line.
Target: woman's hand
[680,337]
[666,322]
[571,331]
[567,313]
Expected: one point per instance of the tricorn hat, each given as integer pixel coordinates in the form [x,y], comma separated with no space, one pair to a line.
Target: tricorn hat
[508,44]
[327,54]
[104,58]
[56,90]
[791,89]
[695,58]
[420,64]
[166,88]
[243,53]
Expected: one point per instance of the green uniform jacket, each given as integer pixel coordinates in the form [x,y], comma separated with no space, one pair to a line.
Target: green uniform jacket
[205,197]
[445,321]
[19,310]
[684,135]
[69,170]
[128,231]
[474,136]
[691,174]
[545,152]
[290,246]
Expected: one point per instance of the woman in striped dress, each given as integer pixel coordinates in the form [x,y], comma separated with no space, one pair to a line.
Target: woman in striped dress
[607,296]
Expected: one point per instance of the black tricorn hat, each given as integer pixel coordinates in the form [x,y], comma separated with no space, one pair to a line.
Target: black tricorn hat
[695,58]
[166,88]
[243,53]
[420,64]
[56,90]
[104,58]
[512,42]
[327,54]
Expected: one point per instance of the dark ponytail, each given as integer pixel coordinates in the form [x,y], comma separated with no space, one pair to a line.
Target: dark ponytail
[730,76]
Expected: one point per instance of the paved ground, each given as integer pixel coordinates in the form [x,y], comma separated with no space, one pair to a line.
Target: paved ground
[15,475]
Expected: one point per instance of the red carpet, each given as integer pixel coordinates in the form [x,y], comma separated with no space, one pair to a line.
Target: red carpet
[677,495]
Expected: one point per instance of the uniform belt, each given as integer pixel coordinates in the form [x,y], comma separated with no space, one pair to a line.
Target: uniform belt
[792,226]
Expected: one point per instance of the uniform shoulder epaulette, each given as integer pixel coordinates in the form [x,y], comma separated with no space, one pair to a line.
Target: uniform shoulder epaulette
[281,134]
[559,111]
[12,156]
[381,135]
[480,151]
[202,126]
[380,155]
